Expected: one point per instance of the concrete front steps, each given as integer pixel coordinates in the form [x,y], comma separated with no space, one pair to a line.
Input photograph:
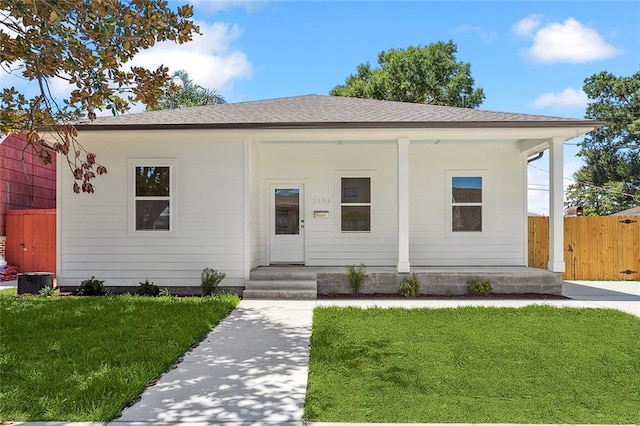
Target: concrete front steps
[281,284]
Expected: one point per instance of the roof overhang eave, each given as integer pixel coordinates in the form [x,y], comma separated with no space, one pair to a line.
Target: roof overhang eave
[346,125]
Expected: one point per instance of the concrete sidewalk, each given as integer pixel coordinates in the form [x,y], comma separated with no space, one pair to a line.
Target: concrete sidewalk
[620,295]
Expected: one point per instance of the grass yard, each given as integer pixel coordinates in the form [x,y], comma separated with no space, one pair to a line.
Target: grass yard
[86,358]
[11,291]
[537,364]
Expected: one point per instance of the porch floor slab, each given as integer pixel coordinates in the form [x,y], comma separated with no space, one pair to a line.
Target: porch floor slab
[291,269]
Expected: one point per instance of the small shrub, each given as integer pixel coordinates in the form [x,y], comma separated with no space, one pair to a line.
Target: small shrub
[356,277]
[91,287]
[210,279]
[48,291]
[147,288]
[480,288]
[165,292]
[410,287]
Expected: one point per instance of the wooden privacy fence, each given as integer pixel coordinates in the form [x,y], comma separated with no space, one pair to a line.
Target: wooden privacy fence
[31,239]
[595,247]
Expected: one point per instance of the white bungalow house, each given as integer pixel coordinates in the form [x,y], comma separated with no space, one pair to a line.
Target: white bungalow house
[308,180]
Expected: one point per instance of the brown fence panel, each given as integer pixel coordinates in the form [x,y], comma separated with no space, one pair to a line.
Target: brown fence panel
[31,239]
[538,241]
[596,247]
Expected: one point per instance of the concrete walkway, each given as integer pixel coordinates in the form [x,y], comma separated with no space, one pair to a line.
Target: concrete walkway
[251,369]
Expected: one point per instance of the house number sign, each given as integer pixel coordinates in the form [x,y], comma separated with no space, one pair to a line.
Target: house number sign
[321,200]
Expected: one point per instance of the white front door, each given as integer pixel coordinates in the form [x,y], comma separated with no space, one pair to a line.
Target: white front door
[286,235]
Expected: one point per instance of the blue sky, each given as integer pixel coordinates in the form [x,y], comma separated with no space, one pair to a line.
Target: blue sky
[529,57]
[297,48]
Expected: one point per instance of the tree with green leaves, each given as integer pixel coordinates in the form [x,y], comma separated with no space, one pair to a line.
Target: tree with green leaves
[87,44]
[185,93]
[610,179]
[422,74]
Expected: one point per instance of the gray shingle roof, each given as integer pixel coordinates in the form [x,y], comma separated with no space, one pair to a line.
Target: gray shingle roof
[317,111]
[634,211]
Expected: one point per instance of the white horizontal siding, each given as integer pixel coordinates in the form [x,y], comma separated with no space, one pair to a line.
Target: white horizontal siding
[94,235]
[210,203]
[319,167]
[501,241]
[148,245]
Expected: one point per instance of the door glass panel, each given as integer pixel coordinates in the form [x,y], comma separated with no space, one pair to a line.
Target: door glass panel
[287,211]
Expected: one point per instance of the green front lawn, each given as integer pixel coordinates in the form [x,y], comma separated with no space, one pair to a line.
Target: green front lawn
[537,364]
[85,358]
[11,291]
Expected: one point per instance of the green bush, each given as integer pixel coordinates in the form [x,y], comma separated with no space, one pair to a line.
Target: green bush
[480,288]
[91,287]
[48,291]
[147,288]
[356,277]
[210,279]
[410,287]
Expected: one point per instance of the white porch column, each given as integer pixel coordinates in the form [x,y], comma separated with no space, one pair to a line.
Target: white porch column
[403,205]
[556,203]
[246,208]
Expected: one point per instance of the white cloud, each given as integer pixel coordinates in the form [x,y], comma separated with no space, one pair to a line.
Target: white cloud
[569,97]
[208,59]
[526,26]
[571,166]
[486,36]
[569,41]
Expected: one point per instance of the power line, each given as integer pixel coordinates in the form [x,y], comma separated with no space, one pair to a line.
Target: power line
[585,184]
[547,171]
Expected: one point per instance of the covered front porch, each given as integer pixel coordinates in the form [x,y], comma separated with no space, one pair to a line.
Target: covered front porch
[407,206]
[308,282]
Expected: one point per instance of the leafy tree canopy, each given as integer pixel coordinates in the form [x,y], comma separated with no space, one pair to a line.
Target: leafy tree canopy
[424,74]
[610,180]
[185,93]
[85,43]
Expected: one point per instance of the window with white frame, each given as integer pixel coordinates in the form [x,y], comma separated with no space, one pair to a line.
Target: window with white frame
[466,203]
[355,204]
[152,196]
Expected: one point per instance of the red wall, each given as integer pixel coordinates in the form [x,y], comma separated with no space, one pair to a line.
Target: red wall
[18,191]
